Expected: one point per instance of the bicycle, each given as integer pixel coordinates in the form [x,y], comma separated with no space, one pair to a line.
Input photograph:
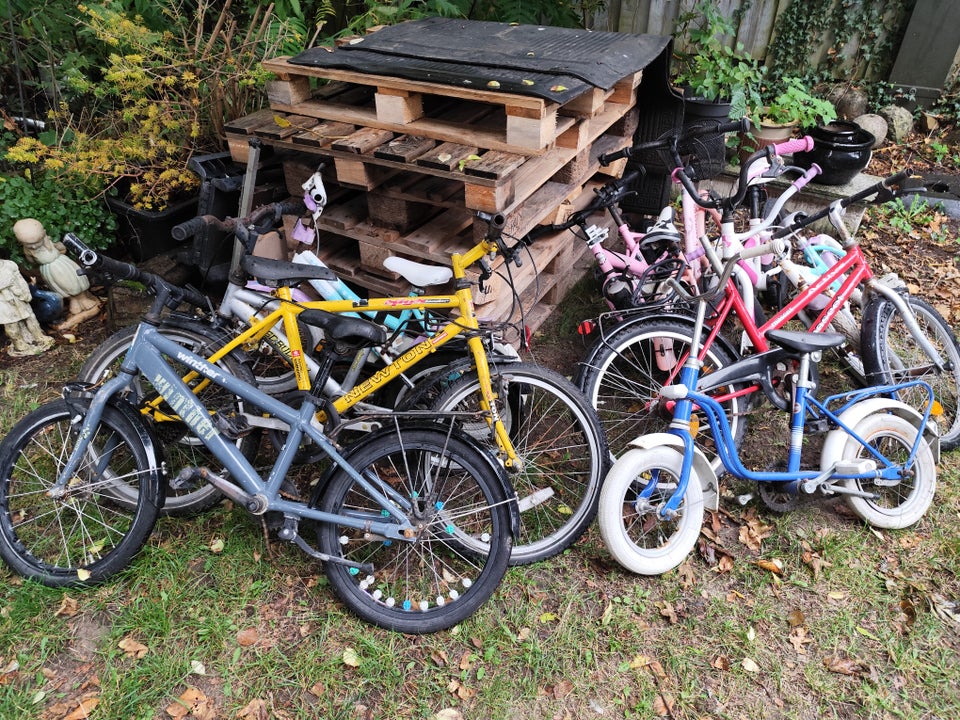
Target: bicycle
[414,524]
[879,454]
[627,365]
[540,422]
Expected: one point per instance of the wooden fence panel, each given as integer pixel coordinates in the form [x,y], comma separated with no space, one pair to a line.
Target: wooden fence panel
[755,29]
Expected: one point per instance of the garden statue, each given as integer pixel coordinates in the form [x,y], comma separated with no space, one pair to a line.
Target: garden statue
[19,323]
[58,271]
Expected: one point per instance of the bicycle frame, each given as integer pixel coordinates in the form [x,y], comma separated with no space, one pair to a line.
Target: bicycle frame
[804,403]
[146,358]
[286,313]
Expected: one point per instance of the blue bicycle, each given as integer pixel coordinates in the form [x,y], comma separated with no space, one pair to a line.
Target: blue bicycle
[878,453]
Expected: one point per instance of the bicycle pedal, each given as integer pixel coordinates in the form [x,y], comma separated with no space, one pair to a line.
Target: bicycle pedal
[233,426]
[187,479]
[817,426]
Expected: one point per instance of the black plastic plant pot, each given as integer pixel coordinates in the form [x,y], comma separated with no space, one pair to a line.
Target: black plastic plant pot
[145,233]
[841,149]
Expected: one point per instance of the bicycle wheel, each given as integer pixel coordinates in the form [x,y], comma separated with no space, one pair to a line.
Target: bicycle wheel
[558,437]
[892,355]
[85,535]
[623,376]
[893,505]
[181,448]
[436,579]
[633,530]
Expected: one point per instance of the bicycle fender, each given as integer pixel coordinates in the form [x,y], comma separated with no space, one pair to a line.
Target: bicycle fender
[701,466]
[145,433]
[837,438]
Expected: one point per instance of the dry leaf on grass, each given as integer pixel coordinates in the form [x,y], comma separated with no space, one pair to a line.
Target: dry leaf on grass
[132,648]
[254,710]
[842,665]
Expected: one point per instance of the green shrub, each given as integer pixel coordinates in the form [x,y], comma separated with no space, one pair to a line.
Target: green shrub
[62,204]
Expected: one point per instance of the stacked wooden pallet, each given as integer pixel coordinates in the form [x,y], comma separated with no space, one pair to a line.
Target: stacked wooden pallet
[410,163]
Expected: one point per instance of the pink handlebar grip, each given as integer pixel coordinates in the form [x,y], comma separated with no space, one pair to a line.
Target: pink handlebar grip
[804,144]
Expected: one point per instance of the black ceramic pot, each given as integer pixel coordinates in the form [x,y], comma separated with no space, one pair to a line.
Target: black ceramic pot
[841,149]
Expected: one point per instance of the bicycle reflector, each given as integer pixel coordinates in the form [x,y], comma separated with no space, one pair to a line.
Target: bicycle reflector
[587,327]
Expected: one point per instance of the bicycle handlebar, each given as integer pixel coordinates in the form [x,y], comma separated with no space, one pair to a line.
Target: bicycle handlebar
[92,261]
[774,247]
[882,190]
[667,143]
[241,226]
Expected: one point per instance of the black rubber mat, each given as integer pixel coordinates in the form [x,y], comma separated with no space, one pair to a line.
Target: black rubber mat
[552,87]
[478,51]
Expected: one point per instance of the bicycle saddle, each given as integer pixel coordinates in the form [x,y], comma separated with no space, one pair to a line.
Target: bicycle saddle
[355,331]
[274,273]
[805,342]
[418,274]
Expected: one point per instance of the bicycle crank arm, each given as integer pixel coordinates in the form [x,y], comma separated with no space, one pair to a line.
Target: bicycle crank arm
[323,557]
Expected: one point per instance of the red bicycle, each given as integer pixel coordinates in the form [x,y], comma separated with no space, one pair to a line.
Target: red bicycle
[900,337]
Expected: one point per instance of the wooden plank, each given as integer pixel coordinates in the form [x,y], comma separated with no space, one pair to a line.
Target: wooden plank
[405,148]
[524,129]
[494,164]
[363,140]
[447,156]
[323,134]
[284,126]
[247,124]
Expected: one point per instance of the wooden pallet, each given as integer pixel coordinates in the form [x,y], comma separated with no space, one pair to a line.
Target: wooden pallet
[494,120]
[408,165]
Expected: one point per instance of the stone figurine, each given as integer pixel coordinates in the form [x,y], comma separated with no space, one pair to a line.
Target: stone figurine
[58,271]
[16,315]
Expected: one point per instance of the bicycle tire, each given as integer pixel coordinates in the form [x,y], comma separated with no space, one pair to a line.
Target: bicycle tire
[559,438]
[181,450]
[892,355]
[85,536]
[636,535]
[905,503]
[431,582]
[621,379]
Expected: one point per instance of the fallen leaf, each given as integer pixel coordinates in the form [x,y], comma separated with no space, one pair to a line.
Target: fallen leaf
[750,665]
[132,648]
[493,84]
[775,566]
[842,665]
[562,689]
[547,617]
[448,714]
[836,595]
[197,667]
[523,634]
[247,637]
[721,662]
[607,614]
[351,658]
[83,710]
[83,574]
[68,607]
[799,640]
[254,710]
[867,634]
[191,702]
[663,706]
[217,546]
[281,121]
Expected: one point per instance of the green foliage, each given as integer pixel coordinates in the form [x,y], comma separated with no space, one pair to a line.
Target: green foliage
[709,67]
[61,204]
[792,103]
[159,96]
[863,36]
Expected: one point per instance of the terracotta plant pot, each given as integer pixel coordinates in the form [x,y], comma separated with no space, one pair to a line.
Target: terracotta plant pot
[841,149]
[764,134]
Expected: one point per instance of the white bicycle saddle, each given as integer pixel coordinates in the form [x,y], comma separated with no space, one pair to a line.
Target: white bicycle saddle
[418,274]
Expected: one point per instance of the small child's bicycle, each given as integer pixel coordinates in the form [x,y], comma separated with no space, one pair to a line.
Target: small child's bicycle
[878,453]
